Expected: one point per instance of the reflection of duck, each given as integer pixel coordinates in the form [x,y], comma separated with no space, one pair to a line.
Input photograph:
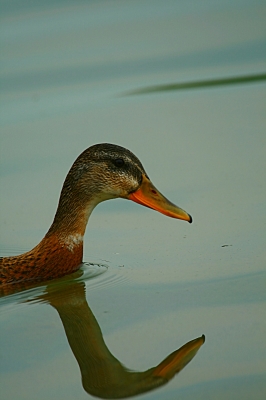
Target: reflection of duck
[102,374]
[101,172]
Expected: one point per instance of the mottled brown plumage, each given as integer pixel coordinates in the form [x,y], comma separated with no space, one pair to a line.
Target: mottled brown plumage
[101,172]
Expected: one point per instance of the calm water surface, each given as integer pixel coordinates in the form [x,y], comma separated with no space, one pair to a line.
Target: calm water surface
[67,72]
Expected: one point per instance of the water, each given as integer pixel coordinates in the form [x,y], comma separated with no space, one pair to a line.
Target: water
[67,73]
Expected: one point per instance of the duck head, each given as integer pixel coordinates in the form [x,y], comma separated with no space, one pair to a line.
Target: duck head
[107,171]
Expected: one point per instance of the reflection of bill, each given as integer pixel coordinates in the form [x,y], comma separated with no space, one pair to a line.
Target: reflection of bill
[102,374]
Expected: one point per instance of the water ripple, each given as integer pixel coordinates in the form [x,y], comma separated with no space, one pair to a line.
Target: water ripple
[95,276]
[106,276]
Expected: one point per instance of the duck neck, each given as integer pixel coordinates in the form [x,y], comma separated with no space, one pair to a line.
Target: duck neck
[70,222]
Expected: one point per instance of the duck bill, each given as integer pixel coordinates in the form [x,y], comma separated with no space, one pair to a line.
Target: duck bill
[147,195]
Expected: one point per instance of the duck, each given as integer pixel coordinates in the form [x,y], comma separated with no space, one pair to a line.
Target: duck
[101,172]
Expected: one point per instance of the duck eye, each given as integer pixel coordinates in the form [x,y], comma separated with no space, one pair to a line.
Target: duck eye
[119,162]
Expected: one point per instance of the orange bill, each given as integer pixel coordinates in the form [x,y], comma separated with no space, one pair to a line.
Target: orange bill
[147,195]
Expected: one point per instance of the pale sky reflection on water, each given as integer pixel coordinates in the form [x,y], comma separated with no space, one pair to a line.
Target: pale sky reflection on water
[66,70]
